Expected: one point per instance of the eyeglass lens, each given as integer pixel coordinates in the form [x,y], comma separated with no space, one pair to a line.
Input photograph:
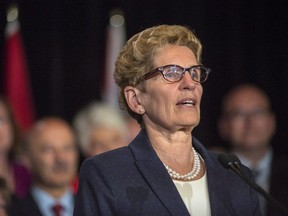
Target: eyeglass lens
[175,73]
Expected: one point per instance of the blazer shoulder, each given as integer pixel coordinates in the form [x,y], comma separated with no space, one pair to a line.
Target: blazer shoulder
[111,156]
[114,159]
[24,206]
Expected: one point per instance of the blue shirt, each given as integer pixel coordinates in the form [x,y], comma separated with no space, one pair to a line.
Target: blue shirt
[46,202]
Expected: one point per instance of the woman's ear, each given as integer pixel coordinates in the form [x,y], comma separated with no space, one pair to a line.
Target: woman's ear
[132,98]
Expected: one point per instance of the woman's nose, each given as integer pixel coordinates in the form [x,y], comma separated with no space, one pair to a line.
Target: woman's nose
[187,82]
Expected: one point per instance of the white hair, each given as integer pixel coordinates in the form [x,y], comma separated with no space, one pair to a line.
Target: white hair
[98,114]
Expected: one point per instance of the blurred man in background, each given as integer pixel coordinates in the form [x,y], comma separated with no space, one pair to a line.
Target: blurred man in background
[248,124]
[52,154]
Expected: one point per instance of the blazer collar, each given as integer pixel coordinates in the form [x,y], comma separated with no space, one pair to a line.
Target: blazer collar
[219,204]
[156,175]
[160,182]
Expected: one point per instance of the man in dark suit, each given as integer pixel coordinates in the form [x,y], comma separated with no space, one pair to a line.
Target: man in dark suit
[248,124]
[53,159]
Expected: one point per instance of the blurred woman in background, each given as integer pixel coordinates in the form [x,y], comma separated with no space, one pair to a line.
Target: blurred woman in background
[5,197]
[16,175]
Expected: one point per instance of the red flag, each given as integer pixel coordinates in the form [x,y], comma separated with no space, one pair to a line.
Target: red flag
[17,86]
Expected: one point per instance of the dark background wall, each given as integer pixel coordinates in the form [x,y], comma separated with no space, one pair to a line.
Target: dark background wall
[244,41]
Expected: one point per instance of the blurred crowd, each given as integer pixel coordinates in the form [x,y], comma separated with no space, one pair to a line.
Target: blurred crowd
[39,169]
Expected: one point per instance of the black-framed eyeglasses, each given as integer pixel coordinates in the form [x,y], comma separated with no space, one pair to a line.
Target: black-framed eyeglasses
[174,73]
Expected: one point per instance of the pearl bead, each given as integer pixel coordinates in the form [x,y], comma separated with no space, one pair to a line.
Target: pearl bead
[189,176]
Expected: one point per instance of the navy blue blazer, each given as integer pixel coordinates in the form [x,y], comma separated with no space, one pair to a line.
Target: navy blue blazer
[25,207]
[133,181]
[278,183]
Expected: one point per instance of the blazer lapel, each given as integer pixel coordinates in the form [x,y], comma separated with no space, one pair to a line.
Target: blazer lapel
[156,175]
[218,203]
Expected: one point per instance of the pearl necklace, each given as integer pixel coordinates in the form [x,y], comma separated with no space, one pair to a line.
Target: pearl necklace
[189,176]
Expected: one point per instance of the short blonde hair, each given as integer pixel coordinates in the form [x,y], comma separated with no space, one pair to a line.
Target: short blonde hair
[137,56]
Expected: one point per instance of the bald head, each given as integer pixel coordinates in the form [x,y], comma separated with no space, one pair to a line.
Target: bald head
[242,95]
[52,153]
[49,124]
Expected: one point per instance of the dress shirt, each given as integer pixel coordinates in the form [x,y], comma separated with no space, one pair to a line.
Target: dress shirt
[195,195]
[46,202]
